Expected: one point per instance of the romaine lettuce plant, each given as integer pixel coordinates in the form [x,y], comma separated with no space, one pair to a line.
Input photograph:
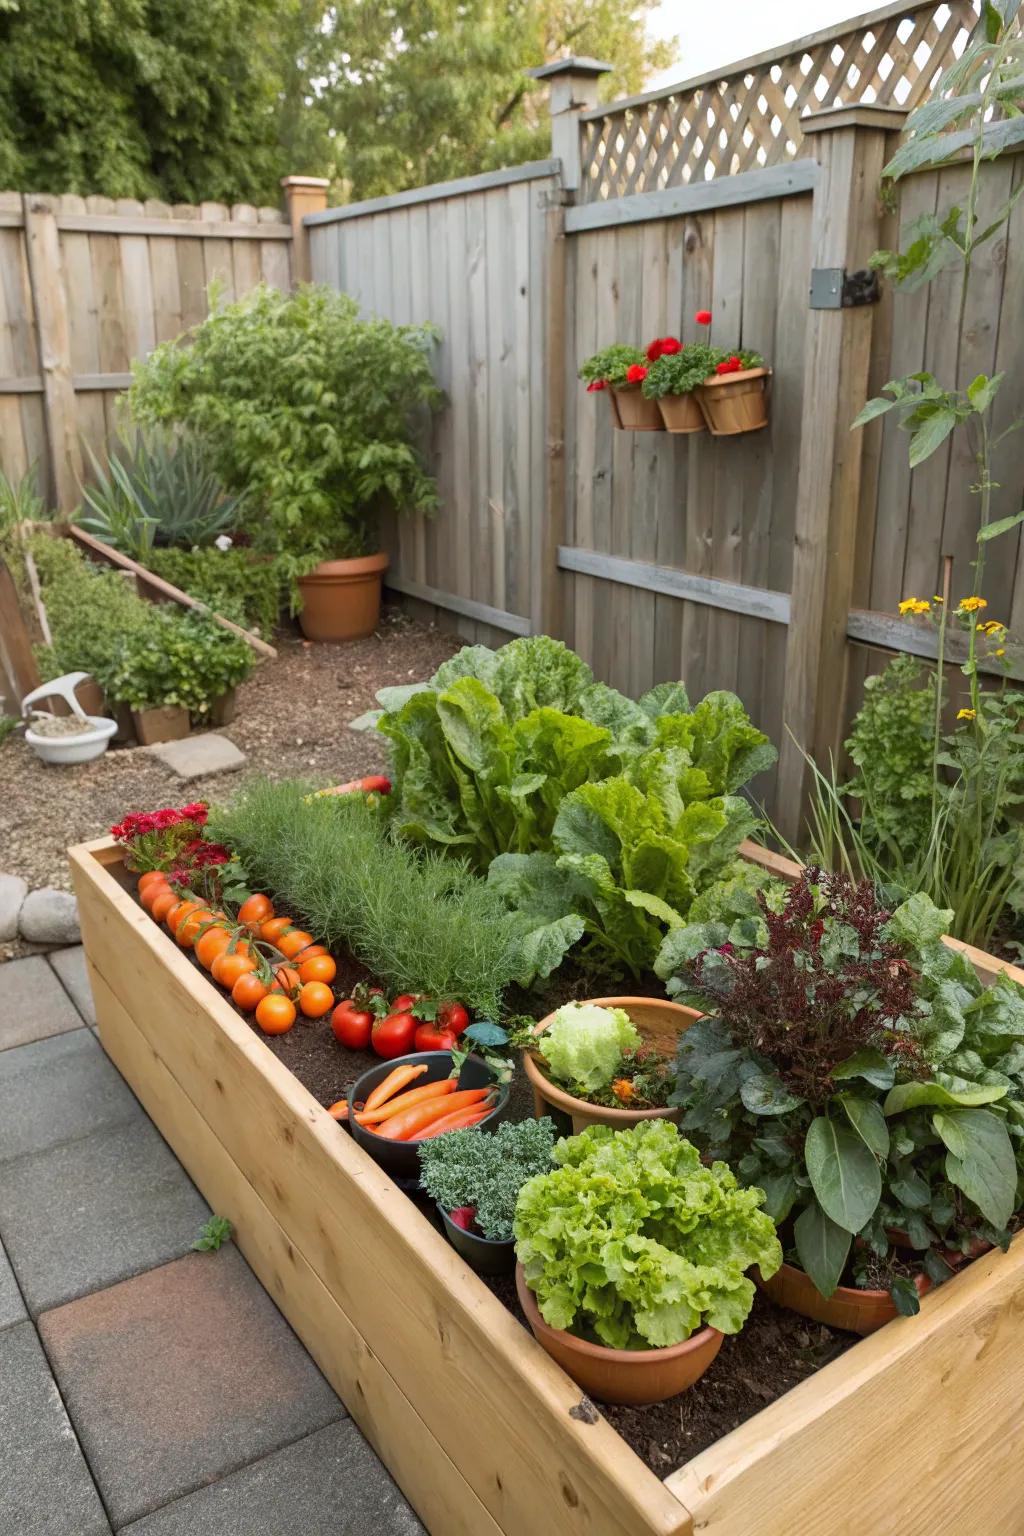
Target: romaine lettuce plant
[854,1067]
[633,1242]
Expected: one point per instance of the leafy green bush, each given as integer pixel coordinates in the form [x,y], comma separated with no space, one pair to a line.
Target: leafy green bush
[679,373]
[631,1241]
[611,364]
[891,744]
[486,1170]
[307,408]
[158,490]
[855,1068]
[91,610]
[418,921]
[179,658]
[235,583]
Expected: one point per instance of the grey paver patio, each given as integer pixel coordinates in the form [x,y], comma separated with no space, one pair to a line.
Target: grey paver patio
[70,967]
[87,1213]
[329,1484]
[194,757]
[45,1487]
[180,1376]
[33,1004]
[58,1090]
[12,1308]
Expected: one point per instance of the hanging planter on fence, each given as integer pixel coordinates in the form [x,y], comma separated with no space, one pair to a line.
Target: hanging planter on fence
[635,412]
[735,401]
[681,413]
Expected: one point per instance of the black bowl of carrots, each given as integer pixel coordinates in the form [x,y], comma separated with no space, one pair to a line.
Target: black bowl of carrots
[394,1107]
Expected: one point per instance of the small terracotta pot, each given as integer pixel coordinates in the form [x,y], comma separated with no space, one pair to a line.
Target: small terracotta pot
[848,1307]
[168,723]
[632,1376]
[735,402]
[613,404]
[681,413]
[341,598]
[637,413]
[659,1022]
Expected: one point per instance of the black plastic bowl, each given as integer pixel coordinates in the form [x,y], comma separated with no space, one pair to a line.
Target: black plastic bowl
[401,1158]
[487,1255]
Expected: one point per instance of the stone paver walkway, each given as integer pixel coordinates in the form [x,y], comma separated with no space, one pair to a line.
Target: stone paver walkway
[144,1387]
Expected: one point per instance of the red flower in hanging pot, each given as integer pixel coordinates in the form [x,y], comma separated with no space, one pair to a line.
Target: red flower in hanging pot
[636,373]
[595,385]
[655,350]
[730,365]
[670,346]
[703,317]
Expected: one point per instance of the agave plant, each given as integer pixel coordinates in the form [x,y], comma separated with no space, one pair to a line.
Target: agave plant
[157,490]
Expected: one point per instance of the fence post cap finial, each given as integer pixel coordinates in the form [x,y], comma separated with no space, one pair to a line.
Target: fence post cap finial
[570,66]
[305,181]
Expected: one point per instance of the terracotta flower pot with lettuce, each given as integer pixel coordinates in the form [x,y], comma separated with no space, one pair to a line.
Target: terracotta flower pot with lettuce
[317,414]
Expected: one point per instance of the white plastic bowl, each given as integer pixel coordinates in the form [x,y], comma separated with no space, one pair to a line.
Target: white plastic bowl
[80,748]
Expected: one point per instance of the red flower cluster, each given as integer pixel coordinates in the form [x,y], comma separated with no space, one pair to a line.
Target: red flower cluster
[595,385]
[138,825]
[636,373]
[197,855]
[730,365]
[702,317]
[663,346]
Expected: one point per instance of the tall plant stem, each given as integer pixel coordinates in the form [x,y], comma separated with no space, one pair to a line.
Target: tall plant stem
[947,587]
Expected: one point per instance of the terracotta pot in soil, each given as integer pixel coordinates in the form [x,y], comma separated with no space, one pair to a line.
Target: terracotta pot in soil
[168,723]
[341,598]
[222,710]
[681,413]
[848,1307]
[735,402]
[637,413]
[659,1022]
[953,1256]
[630,1376]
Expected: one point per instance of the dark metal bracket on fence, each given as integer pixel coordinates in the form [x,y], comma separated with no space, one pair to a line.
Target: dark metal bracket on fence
[835,288]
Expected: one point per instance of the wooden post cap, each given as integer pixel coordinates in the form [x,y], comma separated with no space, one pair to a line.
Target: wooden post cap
[305,181]
[858,115]
[572,66]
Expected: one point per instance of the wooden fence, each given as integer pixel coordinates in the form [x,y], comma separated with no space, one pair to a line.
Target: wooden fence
[770,564]
[89,284]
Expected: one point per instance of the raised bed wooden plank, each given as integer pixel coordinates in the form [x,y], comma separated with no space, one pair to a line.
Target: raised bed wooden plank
[425,1474]
[492,1398]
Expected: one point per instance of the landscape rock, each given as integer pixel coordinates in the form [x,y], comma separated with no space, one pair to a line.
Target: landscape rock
[13,891]
[195,757]
[49,916]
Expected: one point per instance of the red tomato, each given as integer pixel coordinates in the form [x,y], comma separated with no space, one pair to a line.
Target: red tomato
[453,1017]
[404,1002]
[429,1037]
[352,1025]
[394,1036]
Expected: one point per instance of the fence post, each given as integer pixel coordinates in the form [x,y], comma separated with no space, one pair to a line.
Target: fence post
[849,144]
[303,194]
[49,300]
[573,88]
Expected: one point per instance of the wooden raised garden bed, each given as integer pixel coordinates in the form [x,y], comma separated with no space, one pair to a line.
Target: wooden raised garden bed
[911,1430]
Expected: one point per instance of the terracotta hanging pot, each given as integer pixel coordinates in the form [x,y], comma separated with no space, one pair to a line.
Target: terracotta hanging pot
[341,598]
[681,413]
[735,402]
[636,412]
[633,1376]
[848,1307]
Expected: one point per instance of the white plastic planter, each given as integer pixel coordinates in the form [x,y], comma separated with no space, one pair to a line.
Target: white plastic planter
[81,747]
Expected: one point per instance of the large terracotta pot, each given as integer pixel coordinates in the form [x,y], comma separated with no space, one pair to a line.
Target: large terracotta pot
[735,402]
[848,1307]
[633,1376]
[169,722]
[659,1022]
[341,598]
[681,413]
[636,413]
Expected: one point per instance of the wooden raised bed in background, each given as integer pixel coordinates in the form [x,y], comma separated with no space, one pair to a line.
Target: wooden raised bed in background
[910,1431]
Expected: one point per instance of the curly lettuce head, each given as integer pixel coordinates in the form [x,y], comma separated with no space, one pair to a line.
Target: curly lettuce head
[584,1044]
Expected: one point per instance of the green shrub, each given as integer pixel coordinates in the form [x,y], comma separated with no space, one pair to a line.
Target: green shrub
[178,658]
[91,611]
[158,490]
[418,921]
[486,1170]
[611,364]
[679,373]
[305,406]
[891,744]
[235,583]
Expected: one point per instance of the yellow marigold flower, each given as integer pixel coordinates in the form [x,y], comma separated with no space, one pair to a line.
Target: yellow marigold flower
[914,605]
[1001,651]
[971,604]
[993,627]
[966,714]
[623,1090]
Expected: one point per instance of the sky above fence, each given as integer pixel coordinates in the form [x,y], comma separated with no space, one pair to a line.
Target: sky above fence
[733,29]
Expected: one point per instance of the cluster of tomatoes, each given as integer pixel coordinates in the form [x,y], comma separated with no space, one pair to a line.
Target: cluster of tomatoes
[271,967]
[410,1023]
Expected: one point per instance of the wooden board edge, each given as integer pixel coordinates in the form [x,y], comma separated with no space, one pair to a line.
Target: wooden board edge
[434,1486]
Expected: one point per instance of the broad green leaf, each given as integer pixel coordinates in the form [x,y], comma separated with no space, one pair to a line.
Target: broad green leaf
[544,948]
[985,1169]
[904,1296]
[822,1247]
[915,1095]
[910,1190]
[486,1033]
[780,1190]
[982,390]
[843,1172]
[764,1095]
[876,407]
[1002,524]
[869,1064]
[952,1134]
[868,1121]
[918,921]
[931,434]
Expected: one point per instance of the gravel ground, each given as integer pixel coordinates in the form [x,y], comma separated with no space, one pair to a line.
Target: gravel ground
[292,721]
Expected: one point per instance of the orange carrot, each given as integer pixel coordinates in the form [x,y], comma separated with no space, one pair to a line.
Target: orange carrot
[460,1121]
[397,1078]
[395,1106]
[339,1110]
[420,1115]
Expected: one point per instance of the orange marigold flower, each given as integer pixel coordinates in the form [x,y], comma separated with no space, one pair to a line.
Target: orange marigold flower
[623,1090]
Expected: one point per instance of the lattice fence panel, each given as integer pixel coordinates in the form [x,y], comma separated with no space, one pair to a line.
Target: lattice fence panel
[751,116]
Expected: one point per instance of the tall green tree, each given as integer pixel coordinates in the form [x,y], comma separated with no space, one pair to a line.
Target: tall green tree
[175,99]
[415,91]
